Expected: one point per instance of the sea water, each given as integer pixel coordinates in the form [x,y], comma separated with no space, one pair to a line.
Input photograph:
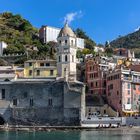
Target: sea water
[71,135]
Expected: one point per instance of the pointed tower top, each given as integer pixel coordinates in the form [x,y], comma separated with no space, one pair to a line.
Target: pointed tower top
[66,23]
[66,31]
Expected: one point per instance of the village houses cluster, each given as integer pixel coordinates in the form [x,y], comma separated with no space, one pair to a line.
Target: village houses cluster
[112,83]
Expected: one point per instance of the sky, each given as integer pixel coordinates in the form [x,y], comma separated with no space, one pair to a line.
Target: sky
[102,20]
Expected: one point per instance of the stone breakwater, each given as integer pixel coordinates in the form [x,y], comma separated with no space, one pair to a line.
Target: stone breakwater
[67,128]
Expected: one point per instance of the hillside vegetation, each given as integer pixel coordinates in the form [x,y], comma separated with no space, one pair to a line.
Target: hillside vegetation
[21,36]
[17,32]
[130,41]
[89,43]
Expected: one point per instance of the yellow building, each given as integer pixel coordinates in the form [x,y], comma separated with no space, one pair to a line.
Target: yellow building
[40,69]
[124,61]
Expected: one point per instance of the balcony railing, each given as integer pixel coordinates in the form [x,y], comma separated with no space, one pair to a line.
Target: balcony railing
[137,80]
[127,78]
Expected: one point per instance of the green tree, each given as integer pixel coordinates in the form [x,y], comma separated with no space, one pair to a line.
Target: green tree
[89,43]
[11,50]
[52,49]
[79,54]
[86,51]
[108,49]
[80,33]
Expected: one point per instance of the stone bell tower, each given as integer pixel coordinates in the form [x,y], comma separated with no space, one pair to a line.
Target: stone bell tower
[66,53]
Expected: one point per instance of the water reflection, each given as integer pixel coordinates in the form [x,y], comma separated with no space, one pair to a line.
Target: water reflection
[71,135]
[109,135]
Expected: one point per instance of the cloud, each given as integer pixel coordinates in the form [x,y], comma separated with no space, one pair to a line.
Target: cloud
[72,16]
[137,29]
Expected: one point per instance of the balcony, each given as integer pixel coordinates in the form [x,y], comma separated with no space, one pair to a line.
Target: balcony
[127,106]
[127,78]
[136,80]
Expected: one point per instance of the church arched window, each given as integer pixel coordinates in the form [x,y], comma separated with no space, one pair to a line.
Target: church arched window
[59,59]
[72,58]
[72,42]
[66,41]
[66,58]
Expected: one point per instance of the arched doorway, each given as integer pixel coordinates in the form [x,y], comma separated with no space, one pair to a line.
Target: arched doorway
[2,121]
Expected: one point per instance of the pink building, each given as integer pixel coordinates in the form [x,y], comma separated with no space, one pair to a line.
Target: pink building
[113,90]
[95,77]
[123,90]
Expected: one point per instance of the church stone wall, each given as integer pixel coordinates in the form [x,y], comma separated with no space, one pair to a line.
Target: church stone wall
[40,103]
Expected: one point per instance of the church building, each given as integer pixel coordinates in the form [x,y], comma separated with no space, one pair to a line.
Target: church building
[66,53]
